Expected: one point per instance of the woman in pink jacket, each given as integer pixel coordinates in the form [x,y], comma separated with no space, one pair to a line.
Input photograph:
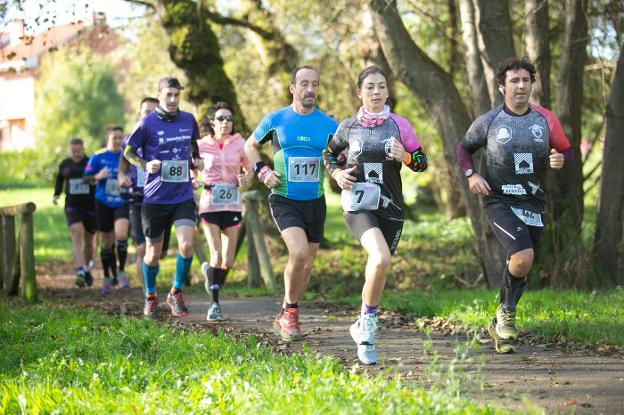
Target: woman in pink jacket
[220,203]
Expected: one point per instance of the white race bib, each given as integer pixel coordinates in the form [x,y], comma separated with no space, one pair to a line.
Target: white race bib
[303,169]
[140,177]
[174,171]
[112,187]
[224,194]
[528,217]
[362,196]
[78,187]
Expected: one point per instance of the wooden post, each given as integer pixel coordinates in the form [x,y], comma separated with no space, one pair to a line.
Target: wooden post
[27,258]
[253,267]
[254,230]
[8,230]
[2,258]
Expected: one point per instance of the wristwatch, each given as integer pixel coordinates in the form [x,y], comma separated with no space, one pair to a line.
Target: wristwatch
[469,173]
[258,166]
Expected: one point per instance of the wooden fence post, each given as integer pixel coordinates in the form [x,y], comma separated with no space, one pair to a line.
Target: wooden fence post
[27,258]
[254,231]
[2,258]
[18,259]
[8,231]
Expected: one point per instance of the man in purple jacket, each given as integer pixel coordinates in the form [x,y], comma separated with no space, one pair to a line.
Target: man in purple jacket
[168,141]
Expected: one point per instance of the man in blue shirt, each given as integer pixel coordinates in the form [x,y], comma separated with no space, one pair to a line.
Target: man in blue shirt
[298,133]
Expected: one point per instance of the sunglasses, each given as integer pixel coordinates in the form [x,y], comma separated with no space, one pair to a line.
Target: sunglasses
[224,118]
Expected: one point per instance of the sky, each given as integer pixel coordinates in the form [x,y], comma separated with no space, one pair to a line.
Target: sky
[38,15]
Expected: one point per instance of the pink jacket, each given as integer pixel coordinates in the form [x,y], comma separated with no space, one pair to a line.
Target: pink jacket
[221,167]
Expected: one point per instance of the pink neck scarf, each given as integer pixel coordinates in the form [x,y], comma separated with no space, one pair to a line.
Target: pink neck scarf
[372,119]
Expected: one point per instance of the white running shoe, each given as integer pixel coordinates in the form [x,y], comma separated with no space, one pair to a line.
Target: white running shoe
[363,334]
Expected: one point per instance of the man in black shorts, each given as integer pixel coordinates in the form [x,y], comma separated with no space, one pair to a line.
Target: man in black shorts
[521,141]
[79,209]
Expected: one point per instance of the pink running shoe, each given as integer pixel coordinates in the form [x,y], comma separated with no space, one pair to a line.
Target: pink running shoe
[286,325]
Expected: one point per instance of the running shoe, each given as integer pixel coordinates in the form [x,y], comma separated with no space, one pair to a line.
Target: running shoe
[150,309]
[176,303]
[107,286]
[214,313]
[286,325]
[91,264]
[363,334]
[124,282]
[115,281]
[88,278]
[204,270]
[503,330]
[80,279]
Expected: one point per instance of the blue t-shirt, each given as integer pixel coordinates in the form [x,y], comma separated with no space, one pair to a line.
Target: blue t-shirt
[169,142]
[106,190]
[298,144]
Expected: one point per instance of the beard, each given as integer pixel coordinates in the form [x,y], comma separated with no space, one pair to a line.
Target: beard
[308,102]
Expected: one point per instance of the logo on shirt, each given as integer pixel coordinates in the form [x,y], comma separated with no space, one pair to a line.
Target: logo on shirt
[513,189]
[535,187]
[303,138]
[355,148]
[503,135]
[373,173]
[161,132]
[161,140]
[537,131]
[184,129]
[524,163]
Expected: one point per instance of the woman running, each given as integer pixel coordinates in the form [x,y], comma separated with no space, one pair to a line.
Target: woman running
[220,202]
[378,143]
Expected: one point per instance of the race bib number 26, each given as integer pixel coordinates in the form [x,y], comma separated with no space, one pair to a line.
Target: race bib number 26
[224,194]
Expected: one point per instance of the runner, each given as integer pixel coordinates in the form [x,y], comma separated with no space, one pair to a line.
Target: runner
[134,182]
[379,142]
[220,204]
[520,141]
[167,139]
[111,210]
[298,133]
[79,210]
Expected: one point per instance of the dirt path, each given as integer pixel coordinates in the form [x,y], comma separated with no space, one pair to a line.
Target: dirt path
[559,379]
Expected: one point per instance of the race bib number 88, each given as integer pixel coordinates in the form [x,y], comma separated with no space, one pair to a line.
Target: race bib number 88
[362,196]
[174,171]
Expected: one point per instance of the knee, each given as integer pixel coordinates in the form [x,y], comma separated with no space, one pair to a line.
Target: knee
[521,262]
[381,261]
[186,248]
[299,256]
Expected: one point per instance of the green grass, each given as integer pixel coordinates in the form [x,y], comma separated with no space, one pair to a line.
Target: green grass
[76,361]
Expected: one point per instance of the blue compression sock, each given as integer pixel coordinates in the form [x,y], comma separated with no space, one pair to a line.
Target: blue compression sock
[149,274]
[182,268]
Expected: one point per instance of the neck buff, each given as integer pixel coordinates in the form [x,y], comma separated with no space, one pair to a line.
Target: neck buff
[372,119]
[166,116]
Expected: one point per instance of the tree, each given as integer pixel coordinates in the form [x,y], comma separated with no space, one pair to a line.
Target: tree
[537,38]
[609,237]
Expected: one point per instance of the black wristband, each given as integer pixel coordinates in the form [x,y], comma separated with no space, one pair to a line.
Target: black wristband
[258,166]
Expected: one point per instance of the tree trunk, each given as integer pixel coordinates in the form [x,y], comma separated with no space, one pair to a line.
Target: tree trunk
[565,189]
[494,38]
[537,38]
[195,49]
[434,87]
[609,238]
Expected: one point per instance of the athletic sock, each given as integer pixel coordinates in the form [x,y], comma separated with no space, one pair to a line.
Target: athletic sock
[511,290]
[288,305]
[219,276]
[214,292]
[367,309]
[122,254]
[113,263]
[182,268]
[149,275]
[108,257]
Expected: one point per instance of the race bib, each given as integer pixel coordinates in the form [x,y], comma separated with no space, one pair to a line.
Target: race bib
[112,187]
[78,187]
[140,177]
[174,171]
[362,196]
[528,217]
[224,194]
[303,169]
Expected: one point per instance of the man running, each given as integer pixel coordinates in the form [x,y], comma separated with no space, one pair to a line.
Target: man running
[521,140]
[111,210]
[79,209]
[298,133]
[134,179]
[168,140]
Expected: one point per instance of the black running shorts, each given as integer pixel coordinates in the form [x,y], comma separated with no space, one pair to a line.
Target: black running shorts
[225,219]
[156,217]
[106,216]
[136,223]
[360,221]
[76,214]
[308,215]
[510,231]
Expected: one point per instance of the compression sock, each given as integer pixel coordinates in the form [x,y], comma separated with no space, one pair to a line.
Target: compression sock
[366,309]
[288,305]
[182,268]
[108,257]
[122,254]
[511,290]
[149,275]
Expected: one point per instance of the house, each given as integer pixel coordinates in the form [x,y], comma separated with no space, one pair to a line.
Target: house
[20,59]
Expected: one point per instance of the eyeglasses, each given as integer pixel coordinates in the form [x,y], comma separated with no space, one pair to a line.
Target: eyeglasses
[224,118]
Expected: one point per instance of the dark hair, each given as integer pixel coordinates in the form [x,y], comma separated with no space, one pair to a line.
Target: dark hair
[220,105]
[513,64]
[373,69]
[293,74]
[148,99]
[111,128]
[76,142]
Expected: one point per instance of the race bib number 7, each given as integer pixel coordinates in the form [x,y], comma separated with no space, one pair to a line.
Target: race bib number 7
[174,171]
[362,196]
